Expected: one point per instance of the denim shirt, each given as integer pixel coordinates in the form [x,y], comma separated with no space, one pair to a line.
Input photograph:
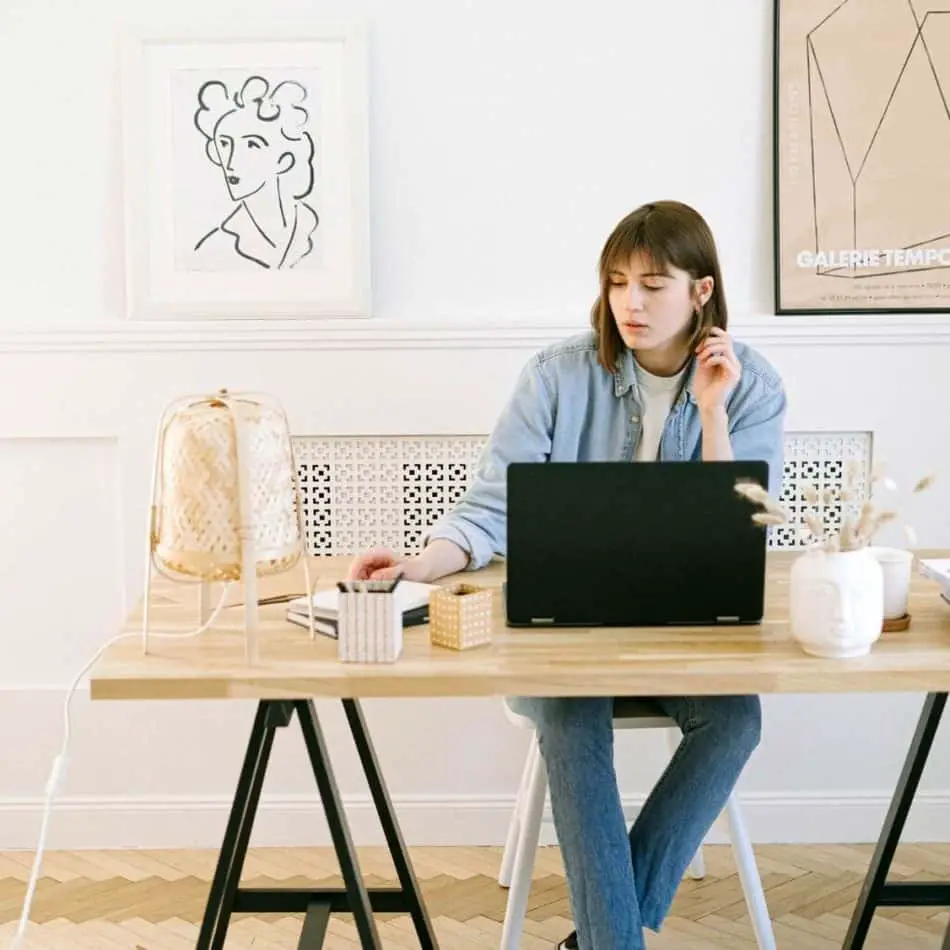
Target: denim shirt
[567,408]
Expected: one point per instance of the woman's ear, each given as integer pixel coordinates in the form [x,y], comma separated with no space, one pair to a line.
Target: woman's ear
[703,289]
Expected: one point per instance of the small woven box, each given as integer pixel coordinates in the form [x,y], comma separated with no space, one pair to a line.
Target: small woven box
[369,626]
[460,616]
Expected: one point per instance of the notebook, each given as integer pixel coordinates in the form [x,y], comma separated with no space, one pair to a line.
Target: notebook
[937,569]
[412,596]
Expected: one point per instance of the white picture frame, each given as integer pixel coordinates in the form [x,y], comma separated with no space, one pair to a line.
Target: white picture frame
[246,175]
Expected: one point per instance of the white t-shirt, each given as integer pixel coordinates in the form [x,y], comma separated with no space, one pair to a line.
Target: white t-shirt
[657,393]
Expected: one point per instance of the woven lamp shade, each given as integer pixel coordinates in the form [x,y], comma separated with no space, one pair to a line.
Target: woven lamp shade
[198,512]
[225,501]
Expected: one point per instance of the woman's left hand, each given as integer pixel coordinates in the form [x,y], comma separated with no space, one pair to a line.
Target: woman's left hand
[717,371]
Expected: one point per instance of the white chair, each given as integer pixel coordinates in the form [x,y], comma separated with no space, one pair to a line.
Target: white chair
[517,862]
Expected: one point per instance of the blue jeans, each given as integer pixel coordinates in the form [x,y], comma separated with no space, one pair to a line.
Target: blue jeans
[619,883]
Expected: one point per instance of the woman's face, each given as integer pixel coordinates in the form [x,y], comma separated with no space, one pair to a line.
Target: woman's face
[653,310]
[250,152]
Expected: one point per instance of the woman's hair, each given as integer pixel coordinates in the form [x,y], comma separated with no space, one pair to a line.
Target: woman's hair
[282,106]
[668,234]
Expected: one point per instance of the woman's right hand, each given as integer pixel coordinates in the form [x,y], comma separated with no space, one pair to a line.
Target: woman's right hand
[383,564]
[439,558]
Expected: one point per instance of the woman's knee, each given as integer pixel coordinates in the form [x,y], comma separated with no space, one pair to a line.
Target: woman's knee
[749,722]
[735,721]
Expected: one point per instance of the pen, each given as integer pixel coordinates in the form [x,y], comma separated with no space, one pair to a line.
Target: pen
[396,582]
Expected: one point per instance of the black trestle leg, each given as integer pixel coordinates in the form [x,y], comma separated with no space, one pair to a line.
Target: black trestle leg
[339,828]
[314,927]
[224,885]
[876,891]
[387,817]
[226,897]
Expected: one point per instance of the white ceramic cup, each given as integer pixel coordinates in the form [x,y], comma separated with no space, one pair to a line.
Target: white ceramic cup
[896,564]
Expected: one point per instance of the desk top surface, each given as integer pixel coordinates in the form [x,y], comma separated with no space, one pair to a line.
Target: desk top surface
[565,662]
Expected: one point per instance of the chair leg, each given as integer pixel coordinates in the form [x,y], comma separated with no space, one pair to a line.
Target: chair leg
[749,876]
[697,867]
[517,817]
[525,851]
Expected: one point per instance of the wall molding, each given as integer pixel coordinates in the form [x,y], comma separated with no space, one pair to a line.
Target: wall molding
[373,334]
[287,820]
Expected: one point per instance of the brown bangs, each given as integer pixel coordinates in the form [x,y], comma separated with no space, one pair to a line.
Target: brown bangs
[634,236]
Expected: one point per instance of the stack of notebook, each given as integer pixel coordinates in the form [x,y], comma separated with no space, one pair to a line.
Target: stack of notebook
[938,569]
[412,597]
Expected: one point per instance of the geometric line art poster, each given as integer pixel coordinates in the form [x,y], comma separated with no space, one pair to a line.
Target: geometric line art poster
[862,156]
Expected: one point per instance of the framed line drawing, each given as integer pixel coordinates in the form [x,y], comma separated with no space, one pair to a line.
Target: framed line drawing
[861,144]
[246,175]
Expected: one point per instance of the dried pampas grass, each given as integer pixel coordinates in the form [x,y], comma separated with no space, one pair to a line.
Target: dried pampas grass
[756,493]
[768,518]
[855,531]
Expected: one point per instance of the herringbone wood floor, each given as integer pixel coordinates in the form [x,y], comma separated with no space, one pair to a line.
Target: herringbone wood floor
[153,900]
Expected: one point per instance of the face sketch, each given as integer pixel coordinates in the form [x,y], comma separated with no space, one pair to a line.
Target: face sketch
[257,135]
[249,152]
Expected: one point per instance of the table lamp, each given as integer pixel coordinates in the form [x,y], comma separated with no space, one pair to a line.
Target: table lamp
[225,501]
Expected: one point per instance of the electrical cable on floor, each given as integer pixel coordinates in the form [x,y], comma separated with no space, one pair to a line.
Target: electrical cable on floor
[58,771]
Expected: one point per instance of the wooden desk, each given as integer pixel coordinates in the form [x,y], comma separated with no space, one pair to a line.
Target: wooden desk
[597,661]
[564,662]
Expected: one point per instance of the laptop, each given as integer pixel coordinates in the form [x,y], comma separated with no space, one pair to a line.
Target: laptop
[633,544]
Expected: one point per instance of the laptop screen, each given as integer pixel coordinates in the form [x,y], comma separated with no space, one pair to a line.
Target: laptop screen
[626,543]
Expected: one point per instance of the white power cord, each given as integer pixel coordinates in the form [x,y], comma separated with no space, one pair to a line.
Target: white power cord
[58,771]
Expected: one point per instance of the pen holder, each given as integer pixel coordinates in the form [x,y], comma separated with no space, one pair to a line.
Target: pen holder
[460,616]
[369,626]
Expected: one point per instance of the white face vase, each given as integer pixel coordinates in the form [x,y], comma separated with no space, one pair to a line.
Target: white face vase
[836,602]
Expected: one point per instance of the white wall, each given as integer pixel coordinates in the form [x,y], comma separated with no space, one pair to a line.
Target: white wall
[506,140]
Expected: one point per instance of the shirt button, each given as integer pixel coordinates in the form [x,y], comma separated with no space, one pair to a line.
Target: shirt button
[634,418]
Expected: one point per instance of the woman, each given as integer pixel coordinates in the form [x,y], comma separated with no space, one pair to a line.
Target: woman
[658,377]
